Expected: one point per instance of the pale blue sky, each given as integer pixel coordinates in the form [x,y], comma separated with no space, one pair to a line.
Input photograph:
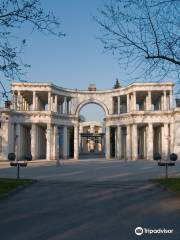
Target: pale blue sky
[76,60]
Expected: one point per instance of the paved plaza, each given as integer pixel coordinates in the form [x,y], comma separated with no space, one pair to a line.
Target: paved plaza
[89,200]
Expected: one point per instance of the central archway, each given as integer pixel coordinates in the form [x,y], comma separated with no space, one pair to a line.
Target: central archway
[91,115]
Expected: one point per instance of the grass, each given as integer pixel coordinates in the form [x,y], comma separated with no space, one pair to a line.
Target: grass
[7,184]
[172,184]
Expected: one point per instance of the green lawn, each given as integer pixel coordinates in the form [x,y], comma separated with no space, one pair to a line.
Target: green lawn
[172,184]
[7,184]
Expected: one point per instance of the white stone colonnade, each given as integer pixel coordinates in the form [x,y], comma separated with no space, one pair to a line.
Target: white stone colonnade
[140,121]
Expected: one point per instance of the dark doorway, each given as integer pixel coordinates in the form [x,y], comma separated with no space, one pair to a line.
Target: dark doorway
[113,142]
[71,142]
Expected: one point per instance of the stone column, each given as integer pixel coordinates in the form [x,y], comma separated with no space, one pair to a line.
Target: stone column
[80,139]
[34,101]
[65,147]
[48,141]
[37,103]
[18,142]
[128,142]
[165,141]
[49,101]
[55,103]
[171,99]
[13,101]
[150,142]
[70,105]
[76,142]
[164,101]
[119,150]
[65,105]
[149,102]
[119,104]
[107,148]
[128,109]
[24,104]
[55,143]
[92,141]
[172,134]
[134,142]
[5,139]
[134,101]
[34,141]
[19,101]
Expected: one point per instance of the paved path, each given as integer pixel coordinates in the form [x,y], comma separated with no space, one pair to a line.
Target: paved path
[89,201]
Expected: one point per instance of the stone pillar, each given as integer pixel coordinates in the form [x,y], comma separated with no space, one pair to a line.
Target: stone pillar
[150,142]
[65,105]
[65,143]
[164,101]
[37,103]
[5,139]
[134,101]
[55,103]
[55,154]
[149,102]
[80,139]
[19,101]
[171,99]
[76,142]
[18,142]
[23,104]
[107,148]
[34,101]
[70,106]
[165,141]
[34,141]
[128,109]
[13,101]
[119,150]
[48,141]
[172,134]
[134,142]
[119,104]
[128,142]
[49,101]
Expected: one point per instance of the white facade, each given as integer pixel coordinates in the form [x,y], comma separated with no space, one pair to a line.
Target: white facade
[43,120]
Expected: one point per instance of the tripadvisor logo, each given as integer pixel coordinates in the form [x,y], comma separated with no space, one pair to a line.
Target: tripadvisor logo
[139,231]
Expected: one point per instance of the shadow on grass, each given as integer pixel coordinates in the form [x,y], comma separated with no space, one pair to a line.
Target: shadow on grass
[7,184]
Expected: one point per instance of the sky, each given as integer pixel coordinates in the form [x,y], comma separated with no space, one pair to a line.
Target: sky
[73,61]
[76,60]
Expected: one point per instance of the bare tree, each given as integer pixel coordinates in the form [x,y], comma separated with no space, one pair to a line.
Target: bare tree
[145,35]
[13,15]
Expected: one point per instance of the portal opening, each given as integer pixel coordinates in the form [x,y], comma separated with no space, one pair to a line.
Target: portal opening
[91,131]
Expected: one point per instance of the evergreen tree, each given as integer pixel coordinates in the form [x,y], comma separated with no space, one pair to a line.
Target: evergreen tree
[117,84]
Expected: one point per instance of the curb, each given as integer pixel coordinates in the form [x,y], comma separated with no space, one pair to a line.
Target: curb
[16,190]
